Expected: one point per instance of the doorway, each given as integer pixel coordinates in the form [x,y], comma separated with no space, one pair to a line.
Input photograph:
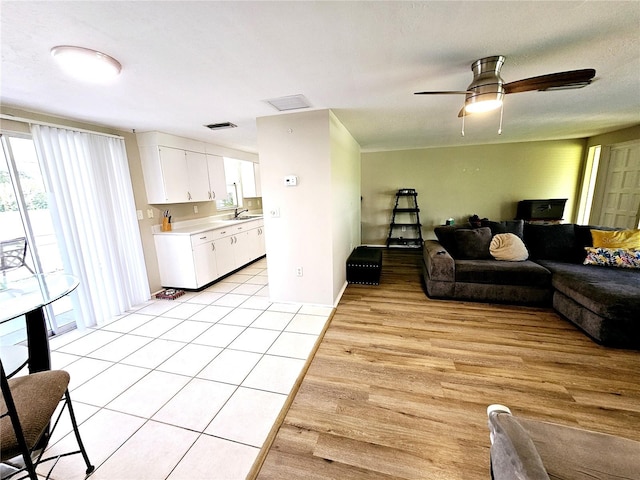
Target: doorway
[616,200]
[24,215]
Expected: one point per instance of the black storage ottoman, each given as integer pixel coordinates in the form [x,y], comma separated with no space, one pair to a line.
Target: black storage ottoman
[364,266]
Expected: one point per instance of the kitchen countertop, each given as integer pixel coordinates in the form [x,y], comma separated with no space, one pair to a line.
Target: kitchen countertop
[191,227]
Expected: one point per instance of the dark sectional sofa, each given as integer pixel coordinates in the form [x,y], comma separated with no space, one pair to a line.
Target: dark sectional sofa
[603,301]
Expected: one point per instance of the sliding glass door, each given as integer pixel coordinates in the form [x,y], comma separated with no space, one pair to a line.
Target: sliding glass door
[24,214]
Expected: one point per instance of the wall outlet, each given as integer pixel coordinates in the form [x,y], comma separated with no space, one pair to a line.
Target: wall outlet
[149,212]
[139,213]
[298,271]
[291,180]
[274,213]
[195,209]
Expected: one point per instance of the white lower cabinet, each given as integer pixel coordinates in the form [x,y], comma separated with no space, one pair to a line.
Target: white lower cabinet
[205,263]
[255,242]
[193,261]
[225,255]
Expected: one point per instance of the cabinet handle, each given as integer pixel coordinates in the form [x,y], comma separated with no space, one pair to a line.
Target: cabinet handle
[188,195]
[213,247]
[213,193]
[209,195]
[203,238]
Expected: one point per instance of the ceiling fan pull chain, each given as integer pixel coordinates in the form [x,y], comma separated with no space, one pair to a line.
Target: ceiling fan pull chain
[462,132]
[501,112]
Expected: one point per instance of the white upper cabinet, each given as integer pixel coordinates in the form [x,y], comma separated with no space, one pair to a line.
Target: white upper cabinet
[181,171]
[217,179]
[250,175]
[256,173]
[165,174]
[198,174]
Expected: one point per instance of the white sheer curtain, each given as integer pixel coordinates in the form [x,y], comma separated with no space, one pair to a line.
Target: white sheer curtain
[93,211]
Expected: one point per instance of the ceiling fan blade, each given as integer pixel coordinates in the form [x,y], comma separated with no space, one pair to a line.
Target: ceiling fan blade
[552,81]
[446,92]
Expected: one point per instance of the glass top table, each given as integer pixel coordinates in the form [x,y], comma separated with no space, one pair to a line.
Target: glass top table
[22,296]
[28,297]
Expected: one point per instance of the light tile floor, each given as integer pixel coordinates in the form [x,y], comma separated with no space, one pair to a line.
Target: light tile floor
[184,389]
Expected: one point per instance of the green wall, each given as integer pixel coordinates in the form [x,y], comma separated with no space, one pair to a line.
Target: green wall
[457,182]
[618,136]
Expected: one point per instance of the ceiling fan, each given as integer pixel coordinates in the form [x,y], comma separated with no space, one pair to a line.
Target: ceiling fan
[487,89]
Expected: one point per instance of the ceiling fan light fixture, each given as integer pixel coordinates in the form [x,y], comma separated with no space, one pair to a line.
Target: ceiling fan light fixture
[478,105]
[86,64]
[486,92]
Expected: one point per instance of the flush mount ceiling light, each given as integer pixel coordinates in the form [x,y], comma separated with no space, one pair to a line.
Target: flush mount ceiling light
[86,64]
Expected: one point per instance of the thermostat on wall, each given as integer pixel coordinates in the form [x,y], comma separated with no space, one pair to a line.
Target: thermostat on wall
[291,180]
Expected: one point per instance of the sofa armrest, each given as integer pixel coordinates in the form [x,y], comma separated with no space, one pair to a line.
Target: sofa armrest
[513,453]
[439,264]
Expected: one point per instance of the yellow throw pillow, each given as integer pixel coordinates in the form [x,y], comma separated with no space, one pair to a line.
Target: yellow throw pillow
[616,238]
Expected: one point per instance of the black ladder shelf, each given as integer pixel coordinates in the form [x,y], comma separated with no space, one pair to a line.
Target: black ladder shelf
[408,232]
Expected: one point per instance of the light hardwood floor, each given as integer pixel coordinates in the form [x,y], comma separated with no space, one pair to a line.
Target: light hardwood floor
[400,383]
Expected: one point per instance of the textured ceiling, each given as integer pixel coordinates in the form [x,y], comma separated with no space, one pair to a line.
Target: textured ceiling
[187,64]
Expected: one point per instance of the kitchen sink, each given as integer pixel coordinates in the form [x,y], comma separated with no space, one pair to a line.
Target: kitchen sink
[242,217]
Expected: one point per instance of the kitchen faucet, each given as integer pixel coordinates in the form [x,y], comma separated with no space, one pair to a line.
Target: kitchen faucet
[237,213]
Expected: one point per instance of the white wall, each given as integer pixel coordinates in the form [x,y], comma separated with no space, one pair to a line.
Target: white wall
[316,148]
[345,204]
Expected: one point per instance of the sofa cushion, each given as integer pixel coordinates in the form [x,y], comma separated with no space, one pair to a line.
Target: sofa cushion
[473,244]
[508,226]
[508,247]
[612,293]
[496,272]
[583,239]
[612,257]
[550,242]
[446,236]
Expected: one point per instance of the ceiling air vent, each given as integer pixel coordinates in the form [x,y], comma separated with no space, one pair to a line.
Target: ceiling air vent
[220,126]
[291,102]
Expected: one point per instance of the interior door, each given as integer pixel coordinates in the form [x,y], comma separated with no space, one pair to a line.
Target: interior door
[618,188]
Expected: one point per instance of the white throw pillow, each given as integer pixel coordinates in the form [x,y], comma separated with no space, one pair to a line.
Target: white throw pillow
[509,247]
